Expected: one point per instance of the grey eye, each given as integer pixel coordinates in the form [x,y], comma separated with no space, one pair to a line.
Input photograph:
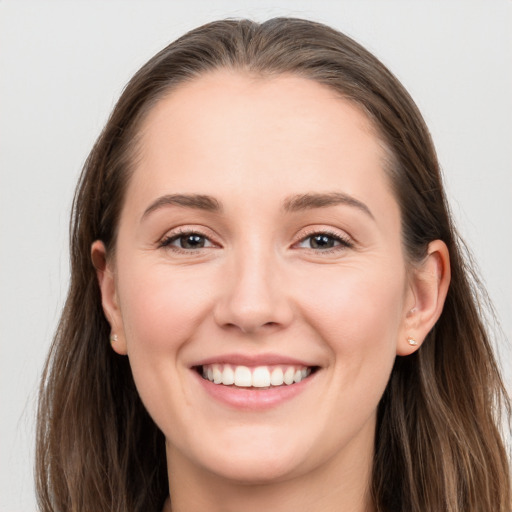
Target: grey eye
[187,241]
[191,241]
[322,241]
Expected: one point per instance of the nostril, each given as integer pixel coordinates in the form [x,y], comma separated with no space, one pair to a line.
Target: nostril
[253,304]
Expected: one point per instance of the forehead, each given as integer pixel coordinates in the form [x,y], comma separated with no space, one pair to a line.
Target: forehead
[251,134]
[227,102]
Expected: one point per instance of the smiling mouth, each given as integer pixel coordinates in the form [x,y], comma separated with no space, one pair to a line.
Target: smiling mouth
[258,377]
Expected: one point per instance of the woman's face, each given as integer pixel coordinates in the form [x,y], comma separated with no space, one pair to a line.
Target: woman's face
[260,243]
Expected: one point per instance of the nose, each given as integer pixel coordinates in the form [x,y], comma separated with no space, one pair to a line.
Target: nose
[254,295]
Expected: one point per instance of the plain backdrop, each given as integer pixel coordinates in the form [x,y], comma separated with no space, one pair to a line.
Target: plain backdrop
[64,64]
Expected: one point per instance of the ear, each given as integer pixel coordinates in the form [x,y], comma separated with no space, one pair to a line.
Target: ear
[106,280]
[428,285]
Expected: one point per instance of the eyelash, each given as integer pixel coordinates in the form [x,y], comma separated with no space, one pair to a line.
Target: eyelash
[166,242]
[343,242]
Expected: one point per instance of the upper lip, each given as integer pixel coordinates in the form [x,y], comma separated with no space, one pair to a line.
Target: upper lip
[253,360]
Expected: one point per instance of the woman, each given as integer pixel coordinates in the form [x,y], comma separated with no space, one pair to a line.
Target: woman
[268,305]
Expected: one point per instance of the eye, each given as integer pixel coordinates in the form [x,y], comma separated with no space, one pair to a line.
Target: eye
[324,241]
[187,241]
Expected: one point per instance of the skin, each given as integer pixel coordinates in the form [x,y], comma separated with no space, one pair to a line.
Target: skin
[259,286]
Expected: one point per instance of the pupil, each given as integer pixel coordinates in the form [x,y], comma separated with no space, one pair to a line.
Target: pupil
[322,242]
[192,241]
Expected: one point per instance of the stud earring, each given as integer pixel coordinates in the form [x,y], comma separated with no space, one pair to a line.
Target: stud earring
[113,338]
[412,342]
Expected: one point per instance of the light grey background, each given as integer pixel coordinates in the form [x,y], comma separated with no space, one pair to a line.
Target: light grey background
[62,67]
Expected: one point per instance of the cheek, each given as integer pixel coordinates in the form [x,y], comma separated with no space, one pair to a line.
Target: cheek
[161,312]
[161,308]
[357,306]
[358,314]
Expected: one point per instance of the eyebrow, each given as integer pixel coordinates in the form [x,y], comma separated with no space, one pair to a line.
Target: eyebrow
[314,200]
[195,201]
[291,204]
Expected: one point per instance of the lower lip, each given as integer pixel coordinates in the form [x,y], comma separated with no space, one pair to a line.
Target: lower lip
[253,399]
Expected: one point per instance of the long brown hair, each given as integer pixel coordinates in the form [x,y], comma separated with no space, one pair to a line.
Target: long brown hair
[438,445]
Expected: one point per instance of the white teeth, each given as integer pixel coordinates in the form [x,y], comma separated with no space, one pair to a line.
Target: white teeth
[243,377]
[217,374]
[258,377]
[261,377]
[288,375]
[276,377]
[228,375]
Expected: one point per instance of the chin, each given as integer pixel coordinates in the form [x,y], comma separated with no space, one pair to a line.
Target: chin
[256,470]
[253,459]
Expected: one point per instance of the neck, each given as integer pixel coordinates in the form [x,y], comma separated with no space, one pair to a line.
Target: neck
[332,487]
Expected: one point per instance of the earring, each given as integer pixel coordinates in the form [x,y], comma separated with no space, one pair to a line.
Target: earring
[113,338]
[412,342]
